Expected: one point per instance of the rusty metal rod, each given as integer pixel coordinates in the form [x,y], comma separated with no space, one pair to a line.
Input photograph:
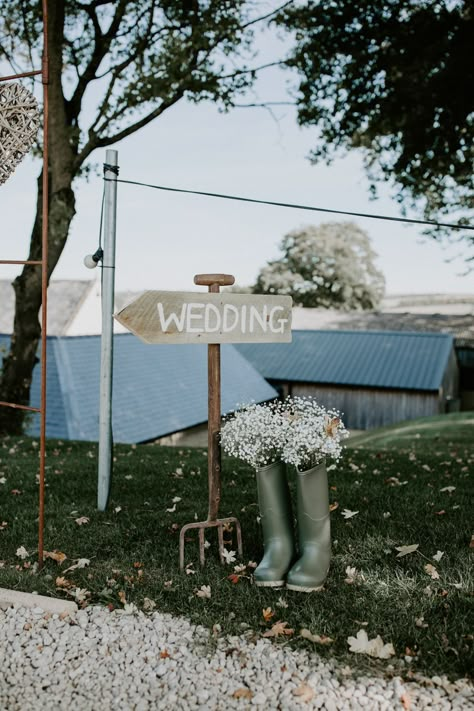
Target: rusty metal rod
[20,407]
[44,281]
[201,525]
[20,76]
[44,277]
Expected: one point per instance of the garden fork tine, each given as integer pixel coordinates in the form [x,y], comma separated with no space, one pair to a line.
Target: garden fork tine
[201,525]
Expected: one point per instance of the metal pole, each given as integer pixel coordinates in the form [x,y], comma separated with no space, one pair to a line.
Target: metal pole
[106,353]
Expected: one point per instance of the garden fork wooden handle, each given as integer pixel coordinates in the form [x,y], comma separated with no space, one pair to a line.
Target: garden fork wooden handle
[214,279]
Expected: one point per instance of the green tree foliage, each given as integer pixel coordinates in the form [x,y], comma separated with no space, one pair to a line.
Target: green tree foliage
[329,266]
[114,67]
[394,78]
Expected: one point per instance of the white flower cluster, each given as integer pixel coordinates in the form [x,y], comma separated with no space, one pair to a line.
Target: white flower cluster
[256,434]
[315,433]
[297,431]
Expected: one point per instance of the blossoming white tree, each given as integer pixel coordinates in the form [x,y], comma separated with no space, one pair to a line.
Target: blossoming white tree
[331,265]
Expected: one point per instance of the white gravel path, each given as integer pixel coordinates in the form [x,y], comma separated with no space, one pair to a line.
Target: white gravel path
[98,660]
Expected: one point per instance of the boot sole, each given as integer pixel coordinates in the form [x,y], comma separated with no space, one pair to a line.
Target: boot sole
[270,583]
[297,588]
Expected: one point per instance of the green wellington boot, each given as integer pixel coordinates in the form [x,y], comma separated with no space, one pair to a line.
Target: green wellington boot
[314,531]
[277,526]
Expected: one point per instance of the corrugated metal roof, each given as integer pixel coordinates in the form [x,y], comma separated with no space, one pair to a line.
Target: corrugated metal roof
[157,390]
[379,359]
[460,325]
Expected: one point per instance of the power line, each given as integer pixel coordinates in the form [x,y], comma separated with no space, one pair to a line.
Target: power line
[295,206]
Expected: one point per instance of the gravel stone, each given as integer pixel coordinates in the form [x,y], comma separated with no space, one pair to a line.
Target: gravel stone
[97,659]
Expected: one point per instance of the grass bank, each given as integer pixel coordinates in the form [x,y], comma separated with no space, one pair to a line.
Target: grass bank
[407,490]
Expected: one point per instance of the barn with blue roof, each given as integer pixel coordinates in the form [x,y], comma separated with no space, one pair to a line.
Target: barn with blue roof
[375,378]
[157,390]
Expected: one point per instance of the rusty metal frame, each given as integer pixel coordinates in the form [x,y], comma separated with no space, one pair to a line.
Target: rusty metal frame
[44,71]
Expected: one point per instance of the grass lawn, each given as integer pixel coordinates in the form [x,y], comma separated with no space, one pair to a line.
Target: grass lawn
[409,485]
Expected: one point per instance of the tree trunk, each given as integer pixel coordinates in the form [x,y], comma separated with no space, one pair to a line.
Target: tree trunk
[18,365]
[17,369]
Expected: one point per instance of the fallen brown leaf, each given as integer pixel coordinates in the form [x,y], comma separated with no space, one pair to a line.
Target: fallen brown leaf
[279,628]
[406,550]
[242,693]
[81,520]
[80,563]
[334,506]
[122,598]
[304,693]
[268,613]
[58,556]
[319,639]
[431,570]
[361,644]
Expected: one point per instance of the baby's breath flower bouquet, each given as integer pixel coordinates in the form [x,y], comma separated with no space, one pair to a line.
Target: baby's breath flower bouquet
[297,431]
[256,434]
[314,433]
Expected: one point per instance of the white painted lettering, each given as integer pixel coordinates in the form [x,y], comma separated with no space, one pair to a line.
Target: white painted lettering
[254,315]
[281,321]
[207,318]
[165,323]
[190,317]
[258,319]
[226,324]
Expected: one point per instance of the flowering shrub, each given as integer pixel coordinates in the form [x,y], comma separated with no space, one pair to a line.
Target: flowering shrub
[256,434]
[314,433]
[297,431]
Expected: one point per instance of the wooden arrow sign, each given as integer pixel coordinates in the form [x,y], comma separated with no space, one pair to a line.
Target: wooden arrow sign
[194,317]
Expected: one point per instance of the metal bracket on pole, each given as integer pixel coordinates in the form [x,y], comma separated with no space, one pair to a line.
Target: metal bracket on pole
[106,352]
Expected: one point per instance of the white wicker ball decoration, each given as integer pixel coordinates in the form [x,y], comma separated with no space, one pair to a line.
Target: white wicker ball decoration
[19,123]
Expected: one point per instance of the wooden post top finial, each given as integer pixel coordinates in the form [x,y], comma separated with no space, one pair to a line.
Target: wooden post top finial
[214,279]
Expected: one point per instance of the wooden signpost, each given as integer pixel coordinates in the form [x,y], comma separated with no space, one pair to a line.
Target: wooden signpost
[191,317]
[213,318]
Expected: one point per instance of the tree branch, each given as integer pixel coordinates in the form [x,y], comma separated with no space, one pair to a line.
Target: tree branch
[101,142]
[268,15]
[27,36]
[146,41]
[263,104]
[240,72]
[101,47]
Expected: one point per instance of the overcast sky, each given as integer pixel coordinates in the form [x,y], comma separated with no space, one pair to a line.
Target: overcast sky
[163,239]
